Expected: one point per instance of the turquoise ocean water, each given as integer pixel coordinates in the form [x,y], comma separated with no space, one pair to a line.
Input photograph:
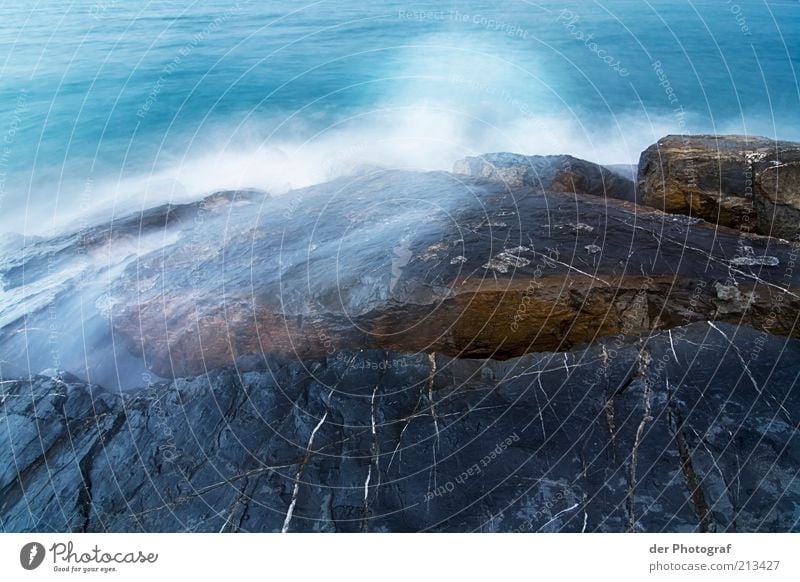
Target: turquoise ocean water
[108,106]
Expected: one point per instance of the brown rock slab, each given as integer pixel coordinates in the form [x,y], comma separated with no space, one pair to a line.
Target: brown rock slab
[748,183]
[437,262]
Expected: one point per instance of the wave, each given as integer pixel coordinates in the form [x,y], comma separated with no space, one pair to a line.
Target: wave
[423,136]
[452,98]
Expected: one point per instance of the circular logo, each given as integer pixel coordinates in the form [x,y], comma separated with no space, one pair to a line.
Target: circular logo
[31,555]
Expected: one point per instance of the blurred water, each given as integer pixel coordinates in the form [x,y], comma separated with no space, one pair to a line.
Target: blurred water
[109,105]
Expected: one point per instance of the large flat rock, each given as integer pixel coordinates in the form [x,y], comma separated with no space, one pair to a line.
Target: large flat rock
[694,429]
[421,262]
[392,260]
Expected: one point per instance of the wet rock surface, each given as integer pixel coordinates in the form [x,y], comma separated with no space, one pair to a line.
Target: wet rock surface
[476,270]
[551,173]
[55,293]
[748,183]
[689,430]
[392,260]
[405,351]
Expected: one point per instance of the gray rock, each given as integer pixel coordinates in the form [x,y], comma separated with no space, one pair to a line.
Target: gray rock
[403,351]
[550,173]
[393,260]
[431,261]
[669,433]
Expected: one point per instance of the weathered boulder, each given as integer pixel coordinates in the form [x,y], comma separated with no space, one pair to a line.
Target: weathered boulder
[694,429]
[748,183]
[549,173]
[411,261]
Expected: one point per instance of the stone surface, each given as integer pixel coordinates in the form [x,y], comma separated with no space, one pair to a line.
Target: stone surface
[627,171]
[403,351]
[409,261]
[694,429]
[748,183]
[550,173]
[392,260]
[55,293]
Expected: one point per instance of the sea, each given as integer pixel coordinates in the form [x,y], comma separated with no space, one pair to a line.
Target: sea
[111,106]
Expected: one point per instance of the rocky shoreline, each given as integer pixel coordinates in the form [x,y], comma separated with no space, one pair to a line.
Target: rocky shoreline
[528,343]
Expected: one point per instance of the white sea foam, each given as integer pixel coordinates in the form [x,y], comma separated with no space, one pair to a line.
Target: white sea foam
[453,98]
[423,136]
